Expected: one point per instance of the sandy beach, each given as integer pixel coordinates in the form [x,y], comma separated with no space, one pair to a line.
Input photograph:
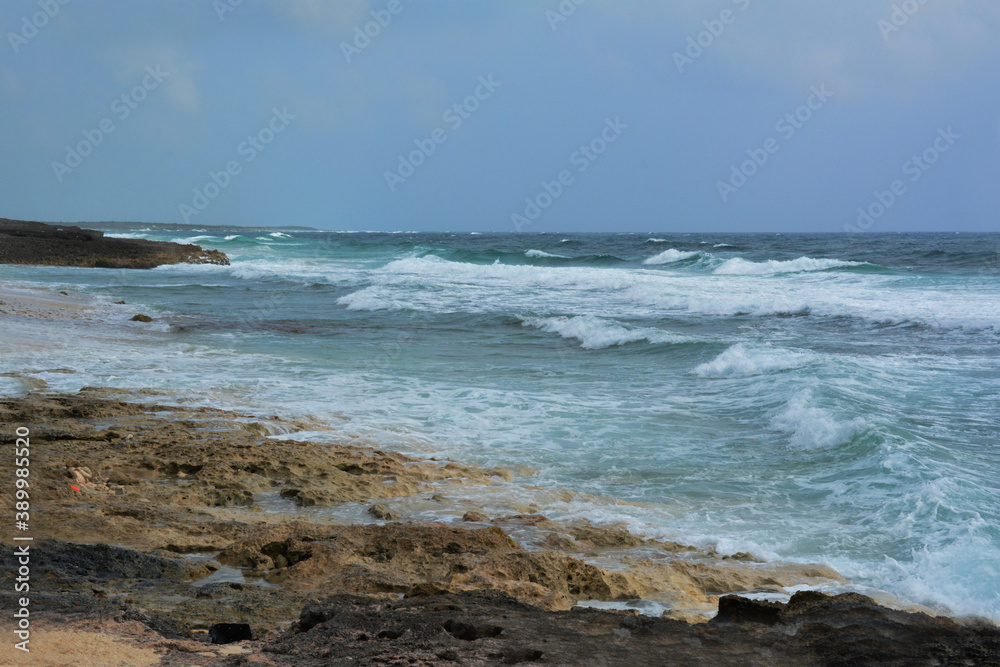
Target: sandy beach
[156,521]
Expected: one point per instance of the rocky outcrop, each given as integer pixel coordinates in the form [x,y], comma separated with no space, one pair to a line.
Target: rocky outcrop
[23,242]
[153,533]
[493,629]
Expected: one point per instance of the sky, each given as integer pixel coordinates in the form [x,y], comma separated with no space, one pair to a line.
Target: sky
[864,116]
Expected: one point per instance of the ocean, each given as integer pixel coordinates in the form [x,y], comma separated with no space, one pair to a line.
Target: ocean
[810,398]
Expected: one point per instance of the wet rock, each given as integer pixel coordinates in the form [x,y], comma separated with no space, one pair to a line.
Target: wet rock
[474,517]
[142,318]
[536,520]
[383,513]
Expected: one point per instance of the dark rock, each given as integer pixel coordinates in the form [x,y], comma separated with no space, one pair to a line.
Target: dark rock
[142,318]
[480,628]
[227,633]
[471,633]
[734,609]
[99,562]
[24,242]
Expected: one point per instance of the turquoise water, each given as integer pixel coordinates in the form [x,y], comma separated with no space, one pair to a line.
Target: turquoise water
[804,397]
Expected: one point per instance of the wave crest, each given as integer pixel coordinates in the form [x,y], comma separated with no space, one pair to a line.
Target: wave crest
[542,254]
[669,257]
[740,361]
[737,266]
[595,333]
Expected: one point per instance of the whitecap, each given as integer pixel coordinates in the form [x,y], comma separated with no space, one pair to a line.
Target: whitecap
[741,360]
[538,254]
[595,333]
[669,257]
[125,235]
[813,427]
[191,239]
[737,266]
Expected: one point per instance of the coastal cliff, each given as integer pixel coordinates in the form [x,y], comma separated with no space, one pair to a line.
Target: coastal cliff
[24,242]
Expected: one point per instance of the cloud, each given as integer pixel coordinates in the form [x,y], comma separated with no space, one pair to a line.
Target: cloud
[789,43]
[180,86]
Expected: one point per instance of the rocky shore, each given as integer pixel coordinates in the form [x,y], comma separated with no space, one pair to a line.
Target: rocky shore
[155,522]
[23,242]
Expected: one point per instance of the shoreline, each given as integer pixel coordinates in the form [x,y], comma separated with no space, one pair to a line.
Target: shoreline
[164,539]
[175,492]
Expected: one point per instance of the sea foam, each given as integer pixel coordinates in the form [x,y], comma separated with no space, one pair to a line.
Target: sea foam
[737,266]
[541,254]
[595,333]
[669,257]
[741,361]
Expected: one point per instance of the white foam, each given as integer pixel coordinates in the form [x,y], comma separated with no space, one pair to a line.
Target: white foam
[191,239]
[433,284]
[595,333]
[741,361]
[723,245]
[813,427]
[737,266]
[655,241]
[541,253]
[669,257]
[280,235]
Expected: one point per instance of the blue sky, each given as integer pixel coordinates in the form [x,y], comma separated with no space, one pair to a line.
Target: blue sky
[597,116]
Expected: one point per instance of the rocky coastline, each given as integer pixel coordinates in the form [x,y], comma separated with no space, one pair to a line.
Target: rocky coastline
[150,531]
[25,242]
